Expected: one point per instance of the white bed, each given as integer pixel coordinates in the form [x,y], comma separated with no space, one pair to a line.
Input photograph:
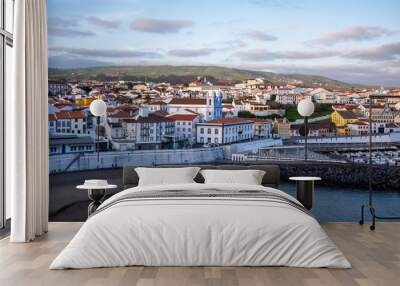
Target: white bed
[202,231]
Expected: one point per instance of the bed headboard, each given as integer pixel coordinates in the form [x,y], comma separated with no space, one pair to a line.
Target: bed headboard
[271,177]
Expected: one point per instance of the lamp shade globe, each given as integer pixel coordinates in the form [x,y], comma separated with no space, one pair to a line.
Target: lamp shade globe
[305,107]
[98,107]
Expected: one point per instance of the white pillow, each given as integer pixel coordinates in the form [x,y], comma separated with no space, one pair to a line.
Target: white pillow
[166,176]
[248,177]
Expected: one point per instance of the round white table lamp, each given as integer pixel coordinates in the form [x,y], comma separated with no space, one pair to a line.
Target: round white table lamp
[98,107]
[305,108]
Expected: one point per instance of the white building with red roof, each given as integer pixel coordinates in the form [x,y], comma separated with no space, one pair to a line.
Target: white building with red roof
[185,126]
[224,130]
[262,128]
[69,122]
[291,98]
[209,107]
[149,130]
[52,123]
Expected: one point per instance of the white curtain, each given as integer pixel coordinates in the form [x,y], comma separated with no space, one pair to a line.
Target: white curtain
[26,121]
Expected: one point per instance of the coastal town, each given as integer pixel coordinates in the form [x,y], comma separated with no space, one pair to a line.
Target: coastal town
[199,114]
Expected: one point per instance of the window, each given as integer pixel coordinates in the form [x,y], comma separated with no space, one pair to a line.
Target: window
[201,130]
[6,43]
[216,131]
[209,131]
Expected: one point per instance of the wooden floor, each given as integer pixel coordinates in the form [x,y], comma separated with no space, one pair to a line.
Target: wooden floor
[375,257]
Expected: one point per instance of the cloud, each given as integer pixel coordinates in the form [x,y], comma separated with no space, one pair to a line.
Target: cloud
[187,53]
[105,53]
[371,74]
[368,74]
[159,26]
[265,55]
[55,21]
[355,33]
[61,32]
[384,52]
[102,23]
[66,27]
[228,44]
[259,36]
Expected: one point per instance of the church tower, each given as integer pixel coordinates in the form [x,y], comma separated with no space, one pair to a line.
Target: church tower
[214,104]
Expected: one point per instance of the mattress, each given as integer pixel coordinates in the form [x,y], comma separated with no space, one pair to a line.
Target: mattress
[201,225]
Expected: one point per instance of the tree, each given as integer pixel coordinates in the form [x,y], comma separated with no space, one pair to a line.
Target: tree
[246,114]
[275,105]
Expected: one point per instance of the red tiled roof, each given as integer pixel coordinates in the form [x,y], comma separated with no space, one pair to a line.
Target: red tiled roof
[69,115]
[359,122]
[159,102]
[191,111]
[62,115]
[347,114]
[151,118]
[228,120]
[183,117]
[189,101]
[120,114]
[161,113]
[52,117]
[258,120]
[77,114]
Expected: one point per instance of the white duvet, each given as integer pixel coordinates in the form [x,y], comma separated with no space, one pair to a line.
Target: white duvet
[211,231]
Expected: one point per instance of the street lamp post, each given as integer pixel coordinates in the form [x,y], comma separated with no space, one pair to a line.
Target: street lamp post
[98,108]
[306,109]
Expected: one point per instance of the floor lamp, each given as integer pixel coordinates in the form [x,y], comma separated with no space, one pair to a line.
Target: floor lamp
[369,205]
[306,109]
[98,108]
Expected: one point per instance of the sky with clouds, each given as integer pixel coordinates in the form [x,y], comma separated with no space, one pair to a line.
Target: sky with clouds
[355,41]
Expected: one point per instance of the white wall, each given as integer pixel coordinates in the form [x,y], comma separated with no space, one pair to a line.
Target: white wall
[58,163]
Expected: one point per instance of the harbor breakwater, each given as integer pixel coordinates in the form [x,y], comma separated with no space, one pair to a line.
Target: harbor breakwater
[341,174]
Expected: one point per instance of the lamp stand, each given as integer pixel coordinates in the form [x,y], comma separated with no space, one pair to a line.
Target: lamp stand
[305,137]
[98,138]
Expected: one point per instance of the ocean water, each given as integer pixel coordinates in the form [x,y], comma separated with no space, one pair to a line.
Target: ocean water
[344,203]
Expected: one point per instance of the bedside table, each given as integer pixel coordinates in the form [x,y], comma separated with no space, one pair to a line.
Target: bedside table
[305,190]
[96,194]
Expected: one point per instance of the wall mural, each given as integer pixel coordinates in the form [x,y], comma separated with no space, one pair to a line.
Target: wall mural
[184,83]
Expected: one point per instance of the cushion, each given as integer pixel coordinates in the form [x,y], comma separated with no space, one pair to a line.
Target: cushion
[248,177]
[166,176]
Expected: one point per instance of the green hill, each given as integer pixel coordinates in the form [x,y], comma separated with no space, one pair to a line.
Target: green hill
[185,74]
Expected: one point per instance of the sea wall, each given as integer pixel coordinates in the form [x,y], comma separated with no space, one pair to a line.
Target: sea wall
[88,161]
[341,174]
[60,163]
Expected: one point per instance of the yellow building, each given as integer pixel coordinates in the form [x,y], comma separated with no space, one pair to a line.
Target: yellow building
[282,128]
[84,101]
[341,118]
